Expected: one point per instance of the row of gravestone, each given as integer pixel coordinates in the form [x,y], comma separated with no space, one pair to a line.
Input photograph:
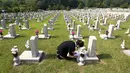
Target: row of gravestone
[34,55]
[90,54]
[111,28]
[12,31]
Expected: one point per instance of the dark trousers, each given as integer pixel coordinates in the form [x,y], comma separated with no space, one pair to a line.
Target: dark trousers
[59,56]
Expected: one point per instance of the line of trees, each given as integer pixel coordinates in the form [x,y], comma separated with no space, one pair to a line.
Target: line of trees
[33,5]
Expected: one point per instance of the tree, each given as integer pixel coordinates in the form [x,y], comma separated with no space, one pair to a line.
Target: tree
[124,5]
[49,7]
[80,6]
[68,8]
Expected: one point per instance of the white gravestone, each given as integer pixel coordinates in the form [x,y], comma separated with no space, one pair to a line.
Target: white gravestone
[90,54]
[34,46]
[78,31]
[68,26]
[92,50]
[17,21]
[88,21]
[3,24]
[92,46]
[73,25]
[96,25]
[105,21]
[128,31]
[77,35]
[118,25]
[11,32]
[26,26]
[50,26]
[123,44]
[110,30]
[45,35]
[32,55]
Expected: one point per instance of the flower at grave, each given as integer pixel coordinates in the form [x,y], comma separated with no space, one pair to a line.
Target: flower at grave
[37,32]
[1,31]
[73,33]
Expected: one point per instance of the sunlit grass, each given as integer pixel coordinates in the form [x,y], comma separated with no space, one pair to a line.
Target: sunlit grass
[109,51]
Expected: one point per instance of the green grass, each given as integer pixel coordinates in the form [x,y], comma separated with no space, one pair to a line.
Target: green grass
[112,59]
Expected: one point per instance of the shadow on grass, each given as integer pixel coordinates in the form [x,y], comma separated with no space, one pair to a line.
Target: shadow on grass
[117,36]
[104,56]
[53,56]
[54,36]
[0,54]
[123,28]
[85,37]
[50,56]
[22,36]
[57,28]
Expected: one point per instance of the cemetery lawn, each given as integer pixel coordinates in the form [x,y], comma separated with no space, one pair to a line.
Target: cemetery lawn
[112,60]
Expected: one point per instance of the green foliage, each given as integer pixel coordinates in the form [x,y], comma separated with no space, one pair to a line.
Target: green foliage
[33,5]
[124,5]
[80,6]
[68,8]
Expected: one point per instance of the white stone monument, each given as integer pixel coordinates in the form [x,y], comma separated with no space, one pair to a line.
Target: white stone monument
[17,20]
[110,32]
[26,26]
[11,32]
[96,25]
[128,31]
[45,35]
[123,44]
[50,26]
[73,25]
[68,26]
[105,21]
[32,55]
[92,46]
[3,24]
[118,25]
[88,21]
[77,35]
[92,50]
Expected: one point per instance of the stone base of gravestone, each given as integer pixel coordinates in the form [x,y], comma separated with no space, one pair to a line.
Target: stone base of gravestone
[127,52]
[42,36]
[75,37]
[91,28]
[128,34]
[71,28]
[50,28]
[103,24]
[117,29]
[26,57]
[24,28]
[84,23]
[8,36]
[104,36]
[1,38]
[91,59]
